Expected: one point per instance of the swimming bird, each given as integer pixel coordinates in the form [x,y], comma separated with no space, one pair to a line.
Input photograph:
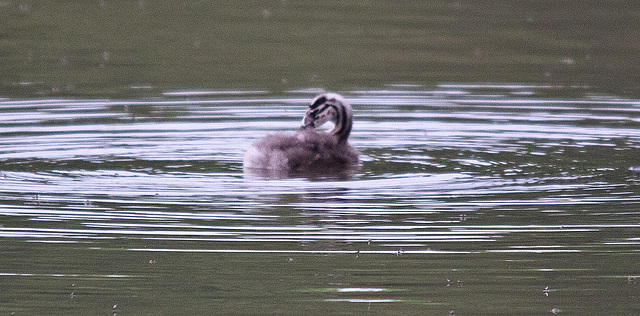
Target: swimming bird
[308,150]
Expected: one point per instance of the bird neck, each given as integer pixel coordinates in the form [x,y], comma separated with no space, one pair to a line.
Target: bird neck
[343,122]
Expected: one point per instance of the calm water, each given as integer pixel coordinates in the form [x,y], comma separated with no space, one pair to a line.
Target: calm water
[101,48]
[471,198]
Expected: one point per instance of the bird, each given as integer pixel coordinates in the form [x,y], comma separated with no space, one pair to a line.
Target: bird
[308,150]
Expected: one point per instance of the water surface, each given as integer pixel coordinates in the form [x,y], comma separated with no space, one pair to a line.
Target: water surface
[107,48]
[472,198]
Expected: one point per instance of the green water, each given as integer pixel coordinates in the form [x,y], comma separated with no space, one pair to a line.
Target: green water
[106,47]
[499,144]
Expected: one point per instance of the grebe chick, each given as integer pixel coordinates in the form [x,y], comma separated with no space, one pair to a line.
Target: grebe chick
[308,150]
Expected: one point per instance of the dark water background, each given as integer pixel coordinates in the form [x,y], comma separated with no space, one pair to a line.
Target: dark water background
[106,47]
[500,144]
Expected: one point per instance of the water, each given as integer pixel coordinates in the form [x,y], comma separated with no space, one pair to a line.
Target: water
[499,142]
[471,198]
[106,48]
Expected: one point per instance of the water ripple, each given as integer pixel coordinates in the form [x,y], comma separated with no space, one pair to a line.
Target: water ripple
[460,167]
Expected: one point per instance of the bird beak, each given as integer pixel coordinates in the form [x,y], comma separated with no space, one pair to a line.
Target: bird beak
[307,122]
[308,126]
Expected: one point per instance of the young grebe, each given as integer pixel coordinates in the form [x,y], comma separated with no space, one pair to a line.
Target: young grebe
[308,150]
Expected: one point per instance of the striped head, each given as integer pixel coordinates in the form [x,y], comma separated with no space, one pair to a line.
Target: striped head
[330,107]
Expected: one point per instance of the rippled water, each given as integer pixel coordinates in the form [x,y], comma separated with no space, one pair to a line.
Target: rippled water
[471,198]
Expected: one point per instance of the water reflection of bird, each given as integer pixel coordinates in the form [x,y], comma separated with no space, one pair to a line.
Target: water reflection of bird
[308,150]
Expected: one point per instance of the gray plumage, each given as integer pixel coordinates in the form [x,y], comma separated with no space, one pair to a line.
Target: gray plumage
[308,150]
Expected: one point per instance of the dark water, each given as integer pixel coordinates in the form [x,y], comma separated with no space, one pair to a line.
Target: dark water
[102,48]
[471,198]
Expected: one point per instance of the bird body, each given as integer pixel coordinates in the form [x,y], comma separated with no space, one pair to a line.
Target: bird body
[308,150]
[303,150]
